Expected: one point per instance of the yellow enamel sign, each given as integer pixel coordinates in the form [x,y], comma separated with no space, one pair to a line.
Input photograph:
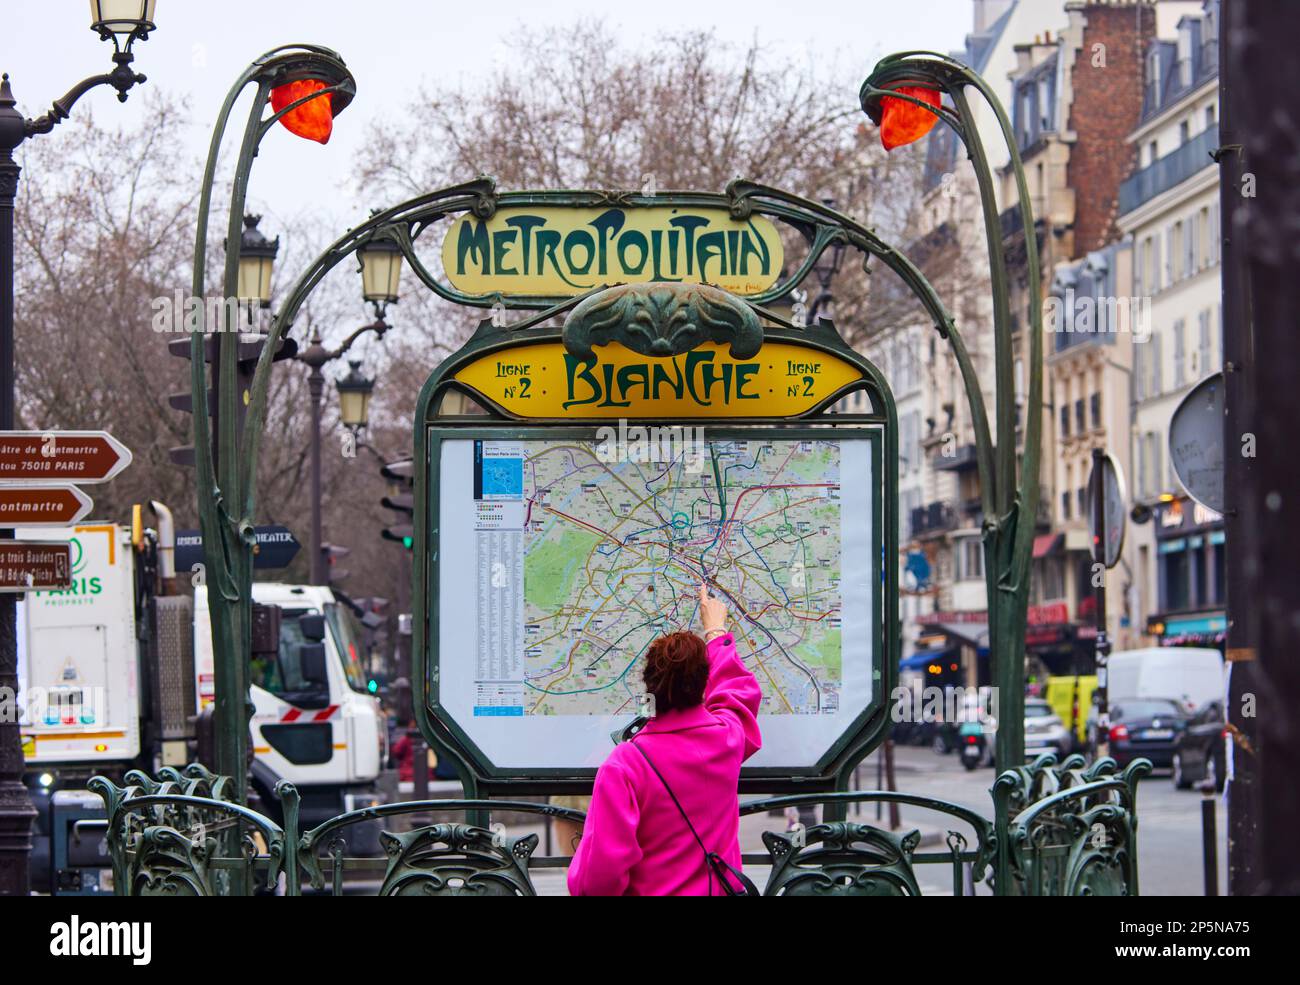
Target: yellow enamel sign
[559,251]
[544,380]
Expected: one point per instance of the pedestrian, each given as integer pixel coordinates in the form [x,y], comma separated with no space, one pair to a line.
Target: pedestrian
[665,813]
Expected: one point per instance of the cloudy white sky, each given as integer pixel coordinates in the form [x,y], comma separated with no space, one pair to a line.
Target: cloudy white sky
[392,46]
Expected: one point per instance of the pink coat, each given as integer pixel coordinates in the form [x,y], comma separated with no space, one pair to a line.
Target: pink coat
[635,842]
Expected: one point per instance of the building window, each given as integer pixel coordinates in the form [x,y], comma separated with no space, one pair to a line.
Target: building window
[1179,354]
[1095,400]
[1154,462]
[1065,506]
[1203,342]
[1082,494]
[1080,424]
[968,557]
[1155,381]
[1065,422]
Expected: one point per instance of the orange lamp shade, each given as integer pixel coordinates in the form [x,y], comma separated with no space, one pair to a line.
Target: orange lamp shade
[314,119]
[902,122]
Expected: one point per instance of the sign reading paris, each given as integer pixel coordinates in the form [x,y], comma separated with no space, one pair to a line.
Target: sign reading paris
[562,251]
[71,456]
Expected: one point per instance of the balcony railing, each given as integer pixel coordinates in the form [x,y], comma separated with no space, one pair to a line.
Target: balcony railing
[933,518]
[963,457]
[1168,171]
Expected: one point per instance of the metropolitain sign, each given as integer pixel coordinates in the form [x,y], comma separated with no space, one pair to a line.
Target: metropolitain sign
[543,380]
[563,251]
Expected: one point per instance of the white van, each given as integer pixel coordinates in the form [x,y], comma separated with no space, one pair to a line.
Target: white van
[1189,675]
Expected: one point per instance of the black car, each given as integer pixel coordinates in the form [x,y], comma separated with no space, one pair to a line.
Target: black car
[1199,752]
[1145,727]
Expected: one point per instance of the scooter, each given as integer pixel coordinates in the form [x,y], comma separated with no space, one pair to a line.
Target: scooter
[971,741]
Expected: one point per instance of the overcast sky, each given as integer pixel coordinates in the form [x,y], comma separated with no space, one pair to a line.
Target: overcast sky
[392,46]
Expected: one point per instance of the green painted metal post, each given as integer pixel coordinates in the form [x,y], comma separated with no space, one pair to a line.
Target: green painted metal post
[225,482]
[1009,511]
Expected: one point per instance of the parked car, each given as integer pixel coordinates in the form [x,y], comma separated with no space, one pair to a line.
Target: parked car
[1145,727]
[1044,730]
[1199,752]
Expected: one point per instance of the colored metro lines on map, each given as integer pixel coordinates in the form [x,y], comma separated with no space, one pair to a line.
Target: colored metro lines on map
[613,552]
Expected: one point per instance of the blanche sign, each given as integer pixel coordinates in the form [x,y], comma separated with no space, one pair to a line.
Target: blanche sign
[562,251]
[544,380]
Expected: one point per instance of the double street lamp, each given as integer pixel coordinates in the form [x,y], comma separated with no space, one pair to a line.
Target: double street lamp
[380,269]
[123,22]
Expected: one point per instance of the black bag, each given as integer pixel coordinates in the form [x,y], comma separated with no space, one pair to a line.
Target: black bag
[715,863]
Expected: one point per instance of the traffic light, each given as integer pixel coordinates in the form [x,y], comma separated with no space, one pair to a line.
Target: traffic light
[250,348]
[401,500]
[333,554]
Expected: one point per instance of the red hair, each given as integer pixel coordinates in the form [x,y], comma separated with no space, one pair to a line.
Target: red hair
[676,670]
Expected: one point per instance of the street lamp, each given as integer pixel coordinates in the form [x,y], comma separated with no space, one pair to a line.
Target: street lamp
[117,19]
[125,23]
[381,268]
[354,408]
[256,260]
[354,397]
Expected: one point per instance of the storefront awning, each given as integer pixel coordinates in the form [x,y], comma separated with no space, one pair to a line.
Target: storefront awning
[973,633]
[1045,544]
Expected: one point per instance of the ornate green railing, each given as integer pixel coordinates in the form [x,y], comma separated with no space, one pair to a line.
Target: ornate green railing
[845,858]
[432,859]
[182,834]
[1058,830]
[1074,828]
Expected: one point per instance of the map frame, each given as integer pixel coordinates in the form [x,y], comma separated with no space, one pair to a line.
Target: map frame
[867,726]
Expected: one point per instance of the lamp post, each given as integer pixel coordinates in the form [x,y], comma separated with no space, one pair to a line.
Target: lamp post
[380,266]
[354,404]
[904,97]
[123,22]
[306,86]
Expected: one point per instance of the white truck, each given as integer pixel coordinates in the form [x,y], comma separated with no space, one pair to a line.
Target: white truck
[115,672]
[1189,675]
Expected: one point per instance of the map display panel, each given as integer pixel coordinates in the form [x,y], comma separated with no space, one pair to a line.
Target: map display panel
[578,552]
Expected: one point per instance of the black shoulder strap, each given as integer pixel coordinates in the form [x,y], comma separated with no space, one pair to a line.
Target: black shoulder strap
[677,803]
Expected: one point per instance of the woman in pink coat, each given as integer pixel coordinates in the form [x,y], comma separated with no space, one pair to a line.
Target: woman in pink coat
[705,724]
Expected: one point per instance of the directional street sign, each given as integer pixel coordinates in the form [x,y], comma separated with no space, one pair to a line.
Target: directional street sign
[48,505]
[27,566]
[276,547]
[66,456]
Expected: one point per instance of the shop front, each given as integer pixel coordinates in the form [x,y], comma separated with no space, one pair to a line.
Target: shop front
[1190,570]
